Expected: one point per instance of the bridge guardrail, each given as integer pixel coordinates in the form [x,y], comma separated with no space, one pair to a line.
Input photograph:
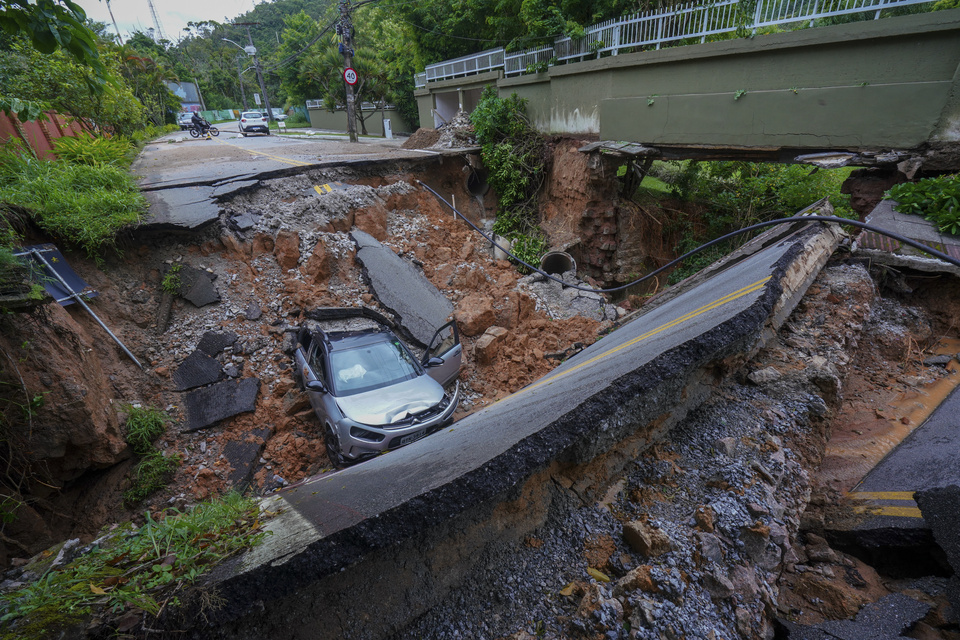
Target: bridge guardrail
[654,28]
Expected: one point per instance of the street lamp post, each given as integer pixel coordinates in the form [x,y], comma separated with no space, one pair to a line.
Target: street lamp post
[252,51]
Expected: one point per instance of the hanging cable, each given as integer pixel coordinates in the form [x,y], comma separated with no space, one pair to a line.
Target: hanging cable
[770,223]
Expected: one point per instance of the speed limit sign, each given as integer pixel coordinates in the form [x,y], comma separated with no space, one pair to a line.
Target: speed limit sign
[350,76]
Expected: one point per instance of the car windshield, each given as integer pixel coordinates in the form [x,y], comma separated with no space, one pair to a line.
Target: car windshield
[371,367]
[251,114]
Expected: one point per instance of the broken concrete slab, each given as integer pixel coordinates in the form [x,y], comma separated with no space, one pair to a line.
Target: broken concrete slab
[180,209]
[243,221]
[400,287]
[224,189]
[888,251]
[243,456]
[209,405]
[213,343]
[196,286]
[197,370]
[941,510]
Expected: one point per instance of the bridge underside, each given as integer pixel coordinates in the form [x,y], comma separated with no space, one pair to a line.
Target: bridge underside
[880,91]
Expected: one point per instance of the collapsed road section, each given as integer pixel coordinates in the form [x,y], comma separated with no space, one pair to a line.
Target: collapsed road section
[422,514]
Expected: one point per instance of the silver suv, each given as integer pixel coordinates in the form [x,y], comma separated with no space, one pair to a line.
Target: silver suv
[370,392]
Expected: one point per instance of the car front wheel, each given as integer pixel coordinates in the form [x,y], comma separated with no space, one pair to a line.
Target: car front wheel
[332,443]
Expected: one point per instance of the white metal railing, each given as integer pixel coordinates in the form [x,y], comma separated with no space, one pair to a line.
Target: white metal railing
[654,28]
[467,65]
[526,61]
[420,80]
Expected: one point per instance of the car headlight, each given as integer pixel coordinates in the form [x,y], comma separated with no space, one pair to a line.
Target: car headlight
[363,434]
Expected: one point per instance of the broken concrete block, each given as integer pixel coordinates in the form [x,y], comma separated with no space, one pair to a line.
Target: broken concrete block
[196,286]
[209,405]
[197,370]
[717,585]
[213,343]
[646,539]
[488,346]
[475,314]
[243,456]
[253,311]
[638,579]
[764,376]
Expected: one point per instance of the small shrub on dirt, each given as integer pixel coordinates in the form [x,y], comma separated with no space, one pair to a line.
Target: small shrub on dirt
[936,199]
[171,282]
[150,475]
[143,568]
[144,425]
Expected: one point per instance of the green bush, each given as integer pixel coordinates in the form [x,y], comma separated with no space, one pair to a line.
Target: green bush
[936,199]
[94,152]
[513,152]
[297,120]
[144,425]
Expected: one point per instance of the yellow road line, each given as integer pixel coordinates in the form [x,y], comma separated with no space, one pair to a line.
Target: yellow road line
[900,512]
[881,495]
[688,316]
[281,159]
[322,189]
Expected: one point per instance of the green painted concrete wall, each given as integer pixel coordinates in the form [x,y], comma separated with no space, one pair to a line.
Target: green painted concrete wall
[337,121]
[891,83]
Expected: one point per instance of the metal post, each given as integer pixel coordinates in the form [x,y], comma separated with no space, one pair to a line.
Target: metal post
[76,296]
[347,28]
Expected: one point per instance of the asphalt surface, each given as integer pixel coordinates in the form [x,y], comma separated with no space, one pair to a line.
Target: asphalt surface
[183,178]
[400,287]
[926,459]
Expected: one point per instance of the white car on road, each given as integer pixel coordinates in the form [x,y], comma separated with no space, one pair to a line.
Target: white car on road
[253,122]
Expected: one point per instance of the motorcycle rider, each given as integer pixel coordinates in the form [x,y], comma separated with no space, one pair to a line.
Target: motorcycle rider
[199,122]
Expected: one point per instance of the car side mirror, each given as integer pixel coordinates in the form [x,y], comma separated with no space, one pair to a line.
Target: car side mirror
[316,385]
[434,362]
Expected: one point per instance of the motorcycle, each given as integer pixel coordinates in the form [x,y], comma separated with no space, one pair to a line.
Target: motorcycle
[196,132]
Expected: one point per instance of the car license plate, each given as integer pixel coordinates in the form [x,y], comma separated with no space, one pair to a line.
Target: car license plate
[413,437]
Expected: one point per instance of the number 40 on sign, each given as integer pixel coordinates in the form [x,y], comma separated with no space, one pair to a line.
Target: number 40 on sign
[350,76]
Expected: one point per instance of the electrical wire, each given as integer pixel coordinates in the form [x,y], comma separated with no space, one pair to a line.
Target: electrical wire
[770,223]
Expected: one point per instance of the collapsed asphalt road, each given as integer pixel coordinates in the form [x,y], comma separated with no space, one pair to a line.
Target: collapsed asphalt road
[630,387]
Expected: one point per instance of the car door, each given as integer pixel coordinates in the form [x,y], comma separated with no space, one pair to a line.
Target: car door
[310,366]
[445,347]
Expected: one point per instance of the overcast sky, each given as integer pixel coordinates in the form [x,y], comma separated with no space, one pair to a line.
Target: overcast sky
[134,15]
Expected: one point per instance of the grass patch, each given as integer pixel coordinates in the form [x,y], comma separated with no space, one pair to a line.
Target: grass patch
[144,425]
[151,474]
[142,568]
[79,204]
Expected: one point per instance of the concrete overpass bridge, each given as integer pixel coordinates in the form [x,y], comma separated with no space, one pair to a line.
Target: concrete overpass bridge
[866,93]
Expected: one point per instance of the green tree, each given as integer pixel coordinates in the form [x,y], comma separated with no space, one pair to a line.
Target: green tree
[64,84]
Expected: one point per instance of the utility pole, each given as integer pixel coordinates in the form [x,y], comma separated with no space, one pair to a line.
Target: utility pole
[346,48]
